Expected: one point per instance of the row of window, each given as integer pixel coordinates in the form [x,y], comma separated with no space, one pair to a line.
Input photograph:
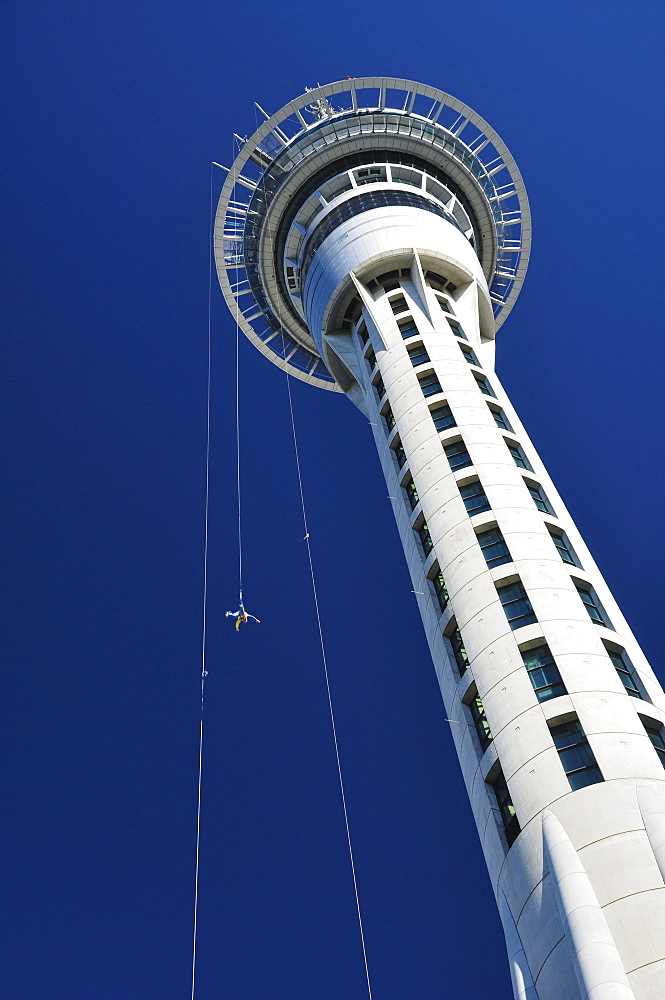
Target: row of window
[538,660]
[430,385]
[575,754]
[569,739]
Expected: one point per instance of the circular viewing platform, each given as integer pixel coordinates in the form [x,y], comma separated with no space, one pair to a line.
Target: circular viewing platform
[327,154]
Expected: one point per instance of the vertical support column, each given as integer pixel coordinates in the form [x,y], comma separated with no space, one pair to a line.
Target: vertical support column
[598,967]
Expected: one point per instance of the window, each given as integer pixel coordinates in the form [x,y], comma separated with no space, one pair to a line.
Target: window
[517,452]
[539,498]
[474,498]
[483,384]
[480,722]
[500,418]
[429,384]
[511,825]
[371,174]
[445,305]
[439,588]
[437,281]
[389,419]
[407,327]
[380,387]
[576,755]
[592,604]
[442,417]
[494,547]
[459,332]
[457,455]
[468,353]
[655,734]
[516,605]
[411,493]
[458,650]
[418,355]
[362,332]
[564,548]
[390,284]
[425,538]
[543,673]
[398,304]
[400,454]
[626,672]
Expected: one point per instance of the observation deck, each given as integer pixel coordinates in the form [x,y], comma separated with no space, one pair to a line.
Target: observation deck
[345,149]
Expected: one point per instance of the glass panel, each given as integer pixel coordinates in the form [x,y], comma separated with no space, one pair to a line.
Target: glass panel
[457,455]
[540,499]
[624,669]
[593,605]
[412,494]
[480,722]
[442,417]
[425,538]
[656,737]
[589,776]
[506,808]
[517,605]
[429,384]
[440,590]
[494,547]
[484,385]
[564,548]
[576,755]
[469,355]
[398,304]
[543,673]
[459,332]
[418,355]
[474,498]
[500,419]
[407,328]
[519,457]
[459,652]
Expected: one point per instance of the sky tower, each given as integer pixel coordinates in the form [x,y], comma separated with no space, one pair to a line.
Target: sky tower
[371,237]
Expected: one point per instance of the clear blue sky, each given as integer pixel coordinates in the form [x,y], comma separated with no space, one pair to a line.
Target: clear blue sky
[112,114]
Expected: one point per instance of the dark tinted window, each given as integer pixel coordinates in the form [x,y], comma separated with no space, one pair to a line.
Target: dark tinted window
[474,497]
[592,604]
[500,418]
[483,384]
[516,604]
[519,457]
[494,547]
[418,355]
[429,384]
[480,722]
[442,417]
[506,808]
[576,755]
[457,455]
[539,498]
[459,652]
[543,673]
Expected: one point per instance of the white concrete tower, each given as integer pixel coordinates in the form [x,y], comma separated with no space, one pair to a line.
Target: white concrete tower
[371,237]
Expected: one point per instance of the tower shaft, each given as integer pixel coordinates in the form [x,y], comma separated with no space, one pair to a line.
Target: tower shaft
[381,248]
